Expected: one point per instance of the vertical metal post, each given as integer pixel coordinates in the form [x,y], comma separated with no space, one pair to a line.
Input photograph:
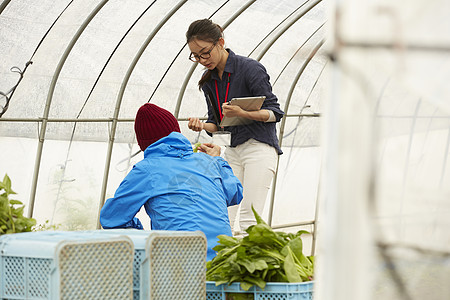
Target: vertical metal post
[283,123]
[191,70]
[61,63]
[119,102]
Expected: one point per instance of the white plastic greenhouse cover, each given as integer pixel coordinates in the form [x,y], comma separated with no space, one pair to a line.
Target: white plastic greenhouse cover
[370,140]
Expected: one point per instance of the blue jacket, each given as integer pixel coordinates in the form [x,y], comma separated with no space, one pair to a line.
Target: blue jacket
[180,190]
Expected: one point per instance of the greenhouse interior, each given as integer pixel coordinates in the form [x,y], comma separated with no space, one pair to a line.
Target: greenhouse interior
[364,174]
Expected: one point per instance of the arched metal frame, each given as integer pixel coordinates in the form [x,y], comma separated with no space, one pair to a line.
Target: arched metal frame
[49,100]
[3,5]
[192,69]
[120,96]
[283,124]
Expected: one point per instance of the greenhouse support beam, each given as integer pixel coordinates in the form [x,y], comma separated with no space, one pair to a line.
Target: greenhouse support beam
[444,163]
[316,217]
[183,89]
[191,70]
[49,101]
[104,120]
[176,57]
[3,5]
[64,120]
[406,166]
[395,46]
[293,224]
[273,30]
[295,54]
[283,122]
[119,101]
[285,28]
[112,54]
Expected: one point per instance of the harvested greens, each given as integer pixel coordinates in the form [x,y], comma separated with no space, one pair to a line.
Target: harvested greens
[196,145]
[262,256]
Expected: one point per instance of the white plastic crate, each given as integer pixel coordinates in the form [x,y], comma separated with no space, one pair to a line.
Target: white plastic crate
[65,265]
[272,291]
[167,264]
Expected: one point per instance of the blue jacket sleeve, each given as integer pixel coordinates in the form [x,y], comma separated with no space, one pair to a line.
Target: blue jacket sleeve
[230,183]
[130,196]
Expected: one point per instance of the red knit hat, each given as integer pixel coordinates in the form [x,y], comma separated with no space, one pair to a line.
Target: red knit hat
[152,123]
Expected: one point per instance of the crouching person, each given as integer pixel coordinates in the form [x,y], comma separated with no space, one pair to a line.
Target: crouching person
[179,189]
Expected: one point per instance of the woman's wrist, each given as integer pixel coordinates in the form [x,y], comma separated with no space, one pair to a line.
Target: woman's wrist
[262,115]
[210,127]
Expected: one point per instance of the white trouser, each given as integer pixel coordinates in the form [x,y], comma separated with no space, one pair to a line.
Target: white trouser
[254,164]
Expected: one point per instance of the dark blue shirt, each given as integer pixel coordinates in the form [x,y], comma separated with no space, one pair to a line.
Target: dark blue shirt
[248,78]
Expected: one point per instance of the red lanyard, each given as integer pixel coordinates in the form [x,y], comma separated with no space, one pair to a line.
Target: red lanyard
[226,95]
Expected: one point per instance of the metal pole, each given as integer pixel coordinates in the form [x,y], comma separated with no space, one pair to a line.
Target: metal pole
[49,101]
[119,102]
[283,122]
[103,120]
[3,5]
[293,224]
[307,9]
[444,163]
[191,70]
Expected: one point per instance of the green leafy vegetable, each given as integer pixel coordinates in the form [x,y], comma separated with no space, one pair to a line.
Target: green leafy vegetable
[262,256]
[12,219]
[196,145]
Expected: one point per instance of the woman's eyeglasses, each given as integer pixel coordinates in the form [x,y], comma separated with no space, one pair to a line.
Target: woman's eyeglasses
[196,58]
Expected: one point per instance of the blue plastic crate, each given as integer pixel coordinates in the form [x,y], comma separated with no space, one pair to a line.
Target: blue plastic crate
[174,266]
[272,291]
[65,265]
[167,264]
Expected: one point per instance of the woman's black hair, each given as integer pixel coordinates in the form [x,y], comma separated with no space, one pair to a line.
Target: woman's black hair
[204,30]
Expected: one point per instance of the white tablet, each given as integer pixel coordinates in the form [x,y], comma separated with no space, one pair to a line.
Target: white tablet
[246,103]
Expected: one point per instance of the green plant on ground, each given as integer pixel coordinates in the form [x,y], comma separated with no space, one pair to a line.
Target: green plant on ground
[260,257]
[12,219]
[46,226]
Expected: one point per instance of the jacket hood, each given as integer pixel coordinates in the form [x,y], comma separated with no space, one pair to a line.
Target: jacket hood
[175,144]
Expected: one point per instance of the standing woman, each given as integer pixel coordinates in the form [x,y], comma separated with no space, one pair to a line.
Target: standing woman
[254,147]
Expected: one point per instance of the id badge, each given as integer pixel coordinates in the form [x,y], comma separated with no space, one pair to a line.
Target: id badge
[221,138]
